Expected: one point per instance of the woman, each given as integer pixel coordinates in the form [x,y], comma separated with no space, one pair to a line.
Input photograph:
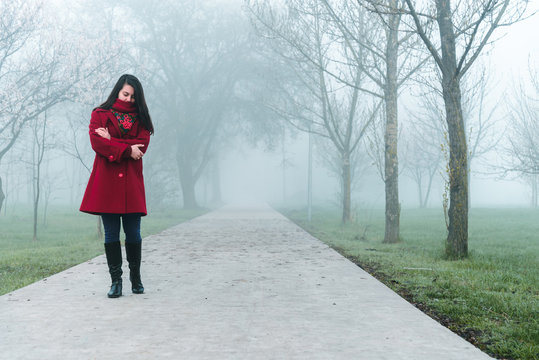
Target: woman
[120,131]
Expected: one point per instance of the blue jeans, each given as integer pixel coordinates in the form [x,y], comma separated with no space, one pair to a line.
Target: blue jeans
[131,225]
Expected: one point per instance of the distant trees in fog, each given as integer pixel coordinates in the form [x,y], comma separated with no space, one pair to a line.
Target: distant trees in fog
[195,59]
[194,53]
[424,139]
[213,73]
[453,36]
[39,70]
[521,154]
[324,96]
[197,62]
[35,74]
[21,98]
[390,57]
[426,129]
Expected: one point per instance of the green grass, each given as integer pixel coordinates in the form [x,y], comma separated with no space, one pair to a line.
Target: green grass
[491,298]
[69,238]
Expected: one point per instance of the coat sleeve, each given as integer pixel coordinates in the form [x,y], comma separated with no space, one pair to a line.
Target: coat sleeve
[143,137]
[112,150]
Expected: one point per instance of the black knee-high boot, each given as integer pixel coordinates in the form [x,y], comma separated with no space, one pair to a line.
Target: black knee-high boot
[113,251]
[133,252]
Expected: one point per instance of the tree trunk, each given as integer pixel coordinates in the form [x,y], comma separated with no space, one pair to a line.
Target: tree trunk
[36,205]
[534,191]
[188,184]
[457,238]
[391,133]
[284,163]
[420,192]
[35,186]
[310,180]
[469,181]
[99,228]
[46,201]
[2,195]
[37,193]
[216,183]
[429,187]
[347,184]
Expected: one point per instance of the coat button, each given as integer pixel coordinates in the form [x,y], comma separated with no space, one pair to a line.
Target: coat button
[120,175]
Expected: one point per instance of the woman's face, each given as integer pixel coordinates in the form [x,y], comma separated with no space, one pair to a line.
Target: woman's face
[127,94]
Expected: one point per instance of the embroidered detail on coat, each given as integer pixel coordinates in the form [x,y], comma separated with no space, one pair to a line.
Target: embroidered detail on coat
[125,120]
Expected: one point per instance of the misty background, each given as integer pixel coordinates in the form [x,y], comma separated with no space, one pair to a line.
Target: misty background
[224,99]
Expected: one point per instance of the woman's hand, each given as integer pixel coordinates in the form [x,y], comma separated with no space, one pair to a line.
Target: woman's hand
[136,154]
[103,132]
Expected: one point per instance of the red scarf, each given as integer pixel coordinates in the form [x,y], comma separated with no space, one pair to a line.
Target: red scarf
[124,106]
[126,114]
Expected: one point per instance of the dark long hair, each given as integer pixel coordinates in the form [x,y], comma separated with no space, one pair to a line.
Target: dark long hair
[140,101]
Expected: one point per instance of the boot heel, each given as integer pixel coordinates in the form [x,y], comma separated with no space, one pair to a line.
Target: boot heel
[115,289]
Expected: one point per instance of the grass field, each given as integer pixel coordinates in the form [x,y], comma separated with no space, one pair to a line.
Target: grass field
[491,298]
[69,238]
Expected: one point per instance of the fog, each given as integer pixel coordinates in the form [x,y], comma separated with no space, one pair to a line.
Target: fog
[220,96]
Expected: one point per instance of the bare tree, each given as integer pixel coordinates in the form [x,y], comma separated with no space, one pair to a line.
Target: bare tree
[17,25]
[330,159]
[314,101]
[427,134]
[86,63]
[480,119]
[36,72]
[49,85]
[534,187]
[12,183]
[378,53]
[193,54]
[424,138]
[463,29]
[39,147]
[521,153]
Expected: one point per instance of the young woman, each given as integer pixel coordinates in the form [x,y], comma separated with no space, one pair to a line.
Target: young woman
[120,131]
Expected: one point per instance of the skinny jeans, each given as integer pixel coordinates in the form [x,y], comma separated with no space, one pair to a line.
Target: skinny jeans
[131,225]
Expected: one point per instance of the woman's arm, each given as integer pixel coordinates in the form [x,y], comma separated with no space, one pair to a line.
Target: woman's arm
[143,137]
[112,150]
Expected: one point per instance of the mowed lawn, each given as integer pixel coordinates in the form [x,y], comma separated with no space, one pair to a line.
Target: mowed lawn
[68,238]
[491,298]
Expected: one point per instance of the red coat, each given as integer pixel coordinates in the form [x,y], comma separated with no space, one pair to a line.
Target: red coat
[116,184]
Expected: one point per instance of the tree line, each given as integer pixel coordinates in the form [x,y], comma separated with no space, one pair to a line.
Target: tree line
[222,70]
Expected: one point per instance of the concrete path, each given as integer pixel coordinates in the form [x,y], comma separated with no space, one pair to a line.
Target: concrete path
[233,284]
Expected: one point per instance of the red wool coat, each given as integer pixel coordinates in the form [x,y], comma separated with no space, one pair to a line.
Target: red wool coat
[116,184]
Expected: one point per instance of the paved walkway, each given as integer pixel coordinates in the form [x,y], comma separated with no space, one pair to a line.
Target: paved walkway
[232,284]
